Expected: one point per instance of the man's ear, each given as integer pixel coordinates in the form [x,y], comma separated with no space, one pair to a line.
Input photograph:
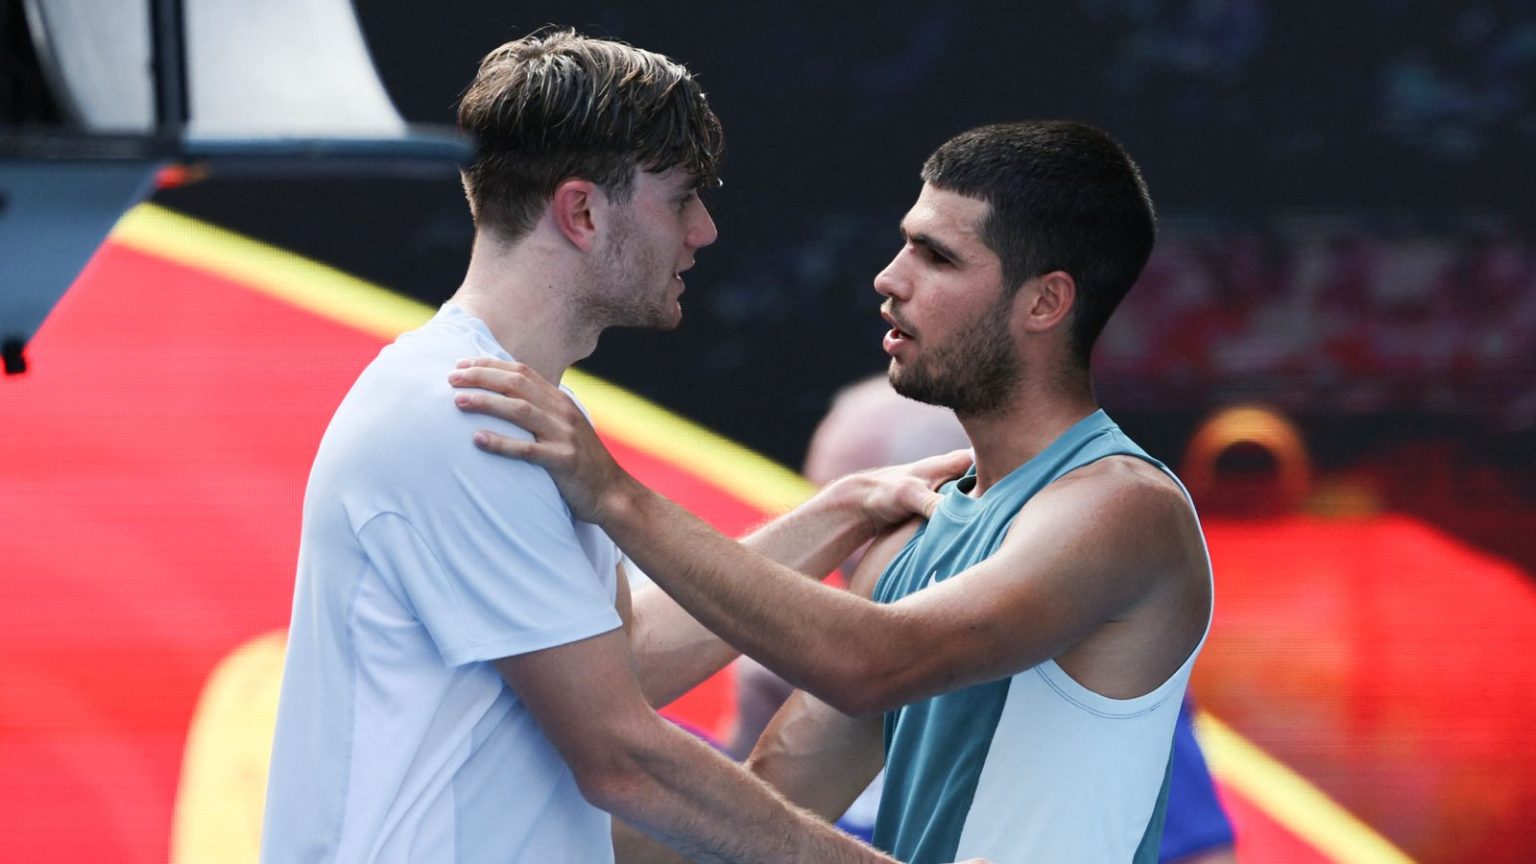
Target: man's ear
[1047,300]
[573,209]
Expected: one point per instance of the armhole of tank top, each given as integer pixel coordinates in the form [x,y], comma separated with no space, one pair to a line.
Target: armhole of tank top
[1099,705]
[1104,706]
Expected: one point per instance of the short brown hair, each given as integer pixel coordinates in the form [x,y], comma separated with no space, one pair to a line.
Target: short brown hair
[556,105]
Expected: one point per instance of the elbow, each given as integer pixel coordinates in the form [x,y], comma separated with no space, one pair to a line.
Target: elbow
[862,670]
[607,786]
[867,698]
[765,759]
[861,685]
[882,674]
[610,775]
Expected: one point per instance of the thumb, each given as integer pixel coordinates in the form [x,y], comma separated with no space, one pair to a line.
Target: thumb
[917,498]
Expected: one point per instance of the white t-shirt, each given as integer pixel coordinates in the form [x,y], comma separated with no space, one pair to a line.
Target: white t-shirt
[423,558]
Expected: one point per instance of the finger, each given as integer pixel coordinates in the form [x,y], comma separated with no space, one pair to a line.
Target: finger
[919,499]
[510,379]
[509,366]
[501,445]
[518,412]
[488,363]
[964,456]
[517,448]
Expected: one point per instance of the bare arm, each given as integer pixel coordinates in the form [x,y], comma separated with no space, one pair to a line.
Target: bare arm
[675,652]
[631,762]
[814,755]
[1085,551]
[671,652]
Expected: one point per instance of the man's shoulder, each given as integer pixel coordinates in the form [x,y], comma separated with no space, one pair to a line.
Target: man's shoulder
[1120,474]
[439,342]
[1120,494]
[408,380]
[399,424]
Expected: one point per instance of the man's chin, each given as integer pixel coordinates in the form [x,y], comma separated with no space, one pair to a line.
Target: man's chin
[911,384]
[662,319]
[902,381]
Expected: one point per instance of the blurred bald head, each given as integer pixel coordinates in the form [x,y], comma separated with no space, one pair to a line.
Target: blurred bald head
[870,425]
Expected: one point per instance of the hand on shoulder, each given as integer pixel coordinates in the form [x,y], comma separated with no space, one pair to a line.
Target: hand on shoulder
[565,444]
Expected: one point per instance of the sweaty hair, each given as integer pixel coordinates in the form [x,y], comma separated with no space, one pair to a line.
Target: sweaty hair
[556,105]
[1062,196]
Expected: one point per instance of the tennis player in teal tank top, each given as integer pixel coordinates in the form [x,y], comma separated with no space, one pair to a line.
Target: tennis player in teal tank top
[938,750]
[1017,662]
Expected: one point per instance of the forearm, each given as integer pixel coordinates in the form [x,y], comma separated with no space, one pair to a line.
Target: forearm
[819,535]
[819,638]
[685,795]
[633,846]
[673,652]
[812,755]
[633,763]
[676,652]
[817,757]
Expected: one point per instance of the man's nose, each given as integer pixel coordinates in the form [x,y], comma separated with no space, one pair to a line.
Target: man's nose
[703,231]
[889,283]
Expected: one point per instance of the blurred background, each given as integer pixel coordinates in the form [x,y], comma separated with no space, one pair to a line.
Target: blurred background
[1334,342]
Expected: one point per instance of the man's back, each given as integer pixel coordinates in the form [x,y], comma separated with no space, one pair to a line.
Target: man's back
[420,559]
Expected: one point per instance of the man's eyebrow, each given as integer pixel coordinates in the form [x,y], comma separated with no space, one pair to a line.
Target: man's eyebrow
[921,239]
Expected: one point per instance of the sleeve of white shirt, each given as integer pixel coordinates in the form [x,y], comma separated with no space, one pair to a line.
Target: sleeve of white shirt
[490,562]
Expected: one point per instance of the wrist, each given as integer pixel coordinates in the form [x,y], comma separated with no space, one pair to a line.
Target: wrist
[852,497]
[619,502]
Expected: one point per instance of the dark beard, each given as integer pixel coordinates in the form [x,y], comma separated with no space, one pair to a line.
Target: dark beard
[973,378]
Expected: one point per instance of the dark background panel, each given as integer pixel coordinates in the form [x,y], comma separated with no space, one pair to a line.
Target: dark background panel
[1281,141]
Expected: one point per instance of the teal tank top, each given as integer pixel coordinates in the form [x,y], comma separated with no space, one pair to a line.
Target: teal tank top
[936,747]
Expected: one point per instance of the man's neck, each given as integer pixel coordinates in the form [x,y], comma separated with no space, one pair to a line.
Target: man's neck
[1023,428]
[523,293]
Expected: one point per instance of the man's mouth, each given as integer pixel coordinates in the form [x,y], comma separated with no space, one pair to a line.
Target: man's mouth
[897,330]
[898,337]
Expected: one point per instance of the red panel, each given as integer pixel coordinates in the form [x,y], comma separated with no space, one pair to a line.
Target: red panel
[1389,664]
[154,463]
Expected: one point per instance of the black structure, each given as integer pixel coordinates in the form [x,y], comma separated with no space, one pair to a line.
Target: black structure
[96,98]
